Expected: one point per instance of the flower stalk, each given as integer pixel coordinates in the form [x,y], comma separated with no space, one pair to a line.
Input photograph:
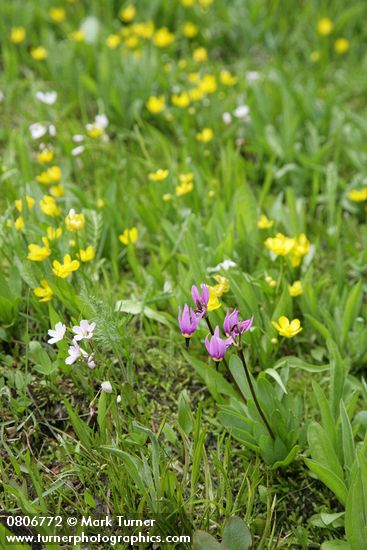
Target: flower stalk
[252,389]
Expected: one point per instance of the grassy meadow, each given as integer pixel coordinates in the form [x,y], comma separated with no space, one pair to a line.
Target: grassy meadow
[200,159]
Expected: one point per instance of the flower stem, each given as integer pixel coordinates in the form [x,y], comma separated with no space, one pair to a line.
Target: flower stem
[249,381]
[226,364]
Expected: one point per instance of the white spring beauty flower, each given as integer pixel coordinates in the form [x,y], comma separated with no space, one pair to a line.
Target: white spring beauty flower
[57,334]
[37,130]
[48,98]
[84,331]
[75,351]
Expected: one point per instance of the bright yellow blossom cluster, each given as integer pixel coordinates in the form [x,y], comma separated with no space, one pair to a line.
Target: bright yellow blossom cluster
[129,235]
[358,195]
[186,184]
[51,175]
[297,247]
[74,222]
[216,291]
[158,175]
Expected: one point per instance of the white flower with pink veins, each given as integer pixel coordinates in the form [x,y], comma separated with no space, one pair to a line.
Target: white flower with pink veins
[84,331]
[75,351]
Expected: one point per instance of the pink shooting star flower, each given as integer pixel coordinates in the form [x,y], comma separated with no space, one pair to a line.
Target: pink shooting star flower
[233,327]
[200,300]
[188,322]
[216,346]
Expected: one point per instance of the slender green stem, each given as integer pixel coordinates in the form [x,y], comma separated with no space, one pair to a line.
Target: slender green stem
[226,365]
[249,381]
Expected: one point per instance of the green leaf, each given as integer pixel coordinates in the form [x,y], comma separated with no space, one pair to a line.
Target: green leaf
[204,541]
[238,373]
[134,307]
[288,459]
[320,327]
[185,418]
[216,383]
[40,358]
[335,545]
[81,429]
[327,419]
[236,535]
[356,513]
[333,482]
[297,363]
[351,310]
[347,439]
[101,414]
[338,374]
[322,450]
[273,373]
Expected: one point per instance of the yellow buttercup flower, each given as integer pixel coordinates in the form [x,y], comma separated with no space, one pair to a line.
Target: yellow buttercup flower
[300,249]
[53,233]
[49,207]
[185,178]
[213,302]
[325,26]
[208,84]
[132,42]
[196,94]
[181,100]
[17,35]
[156,104]
[167,197]
[88,254]
[159,175]
[280,244]
[341,45]
[113,40]
[74,222]
[100,203]
[19,203]
[19,223]
[163,37]
[51,175]
[39,54]
[184,188]
[205,135]
[129,236]
[57,190]
[77,36]
[358,195]
[295,289]
[222,285]
[227,78]
[65,269]
[94,131]
[187,3]
[127,14]
[205,3]
[38,253]
[287,328]
[264,222]
[144,30]
[58,15]
[45,156]
[189,29]
[200,55]
[44,291]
